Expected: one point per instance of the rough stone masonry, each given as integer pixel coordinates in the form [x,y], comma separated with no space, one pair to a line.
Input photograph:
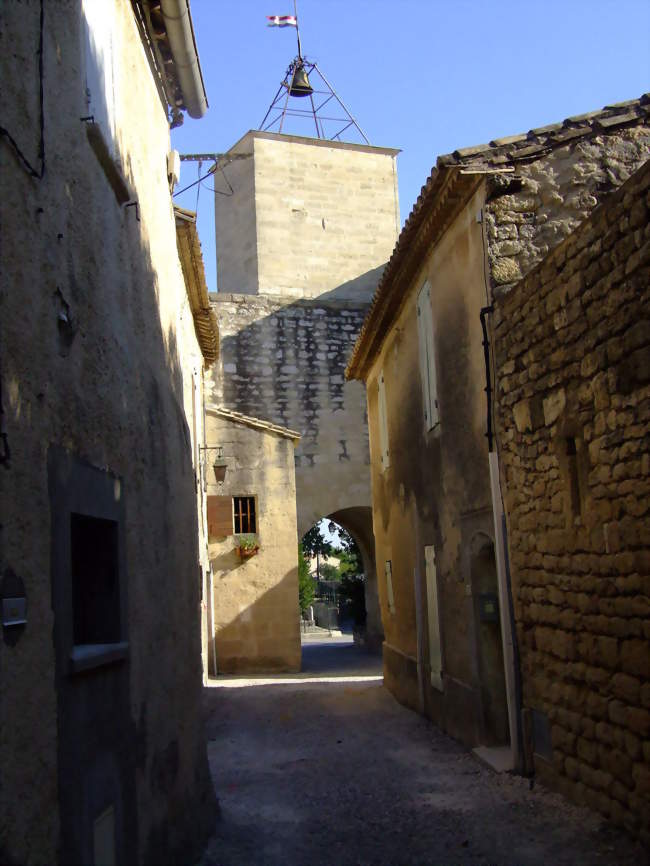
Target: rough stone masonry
[572,344]
[284,361]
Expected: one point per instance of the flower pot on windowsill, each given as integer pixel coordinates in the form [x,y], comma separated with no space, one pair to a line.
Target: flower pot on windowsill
[247,546]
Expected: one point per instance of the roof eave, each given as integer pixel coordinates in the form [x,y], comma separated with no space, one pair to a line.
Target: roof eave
[191,258]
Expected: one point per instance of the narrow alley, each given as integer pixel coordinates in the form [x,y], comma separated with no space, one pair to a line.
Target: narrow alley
[327,768]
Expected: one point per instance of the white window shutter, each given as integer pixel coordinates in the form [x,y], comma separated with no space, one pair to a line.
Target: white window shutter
[383,421]
[427,357]
[435,650]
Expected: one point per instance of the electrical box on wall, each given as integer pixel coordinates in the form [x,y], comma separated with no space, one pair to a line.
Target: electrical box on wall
[488,606]
[13,604]
[14,611]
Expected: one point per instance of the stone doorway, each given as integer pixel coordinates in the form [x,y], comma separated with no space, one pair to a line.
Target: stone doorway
[490,665]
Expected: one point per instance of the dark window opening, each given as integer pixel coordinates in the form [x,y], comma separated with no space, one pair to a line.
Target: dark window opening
[244,511]
[95,580]
[574,478]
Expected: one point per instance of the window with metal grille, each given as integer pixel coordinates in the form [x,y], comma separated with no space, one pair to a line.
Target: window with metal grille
[244,513]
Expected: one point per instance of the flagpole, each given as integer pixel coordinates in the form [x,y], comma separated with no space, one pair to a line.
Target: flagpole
[295,12]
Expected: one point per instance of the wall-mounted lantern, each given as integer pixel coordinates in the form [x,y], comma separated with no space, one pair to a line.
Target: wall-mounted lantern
[219,465]
[218,462]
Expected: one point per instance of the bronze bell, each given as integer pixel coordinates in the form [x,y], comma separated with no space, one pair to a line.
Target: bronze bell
[300,85]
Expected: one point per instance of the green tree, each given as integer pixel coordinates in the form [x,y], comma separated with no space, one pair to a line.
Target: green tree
[329,572]
[305,581]
[314,544]
[347,551]
[352,588]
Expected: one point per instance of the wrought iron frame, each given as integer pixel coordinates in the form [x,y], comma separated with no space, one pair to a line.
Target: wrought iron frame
[281,108]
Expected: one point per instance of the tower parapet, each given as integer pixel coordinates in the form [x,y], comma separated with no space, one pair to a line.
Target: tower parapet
[306,217]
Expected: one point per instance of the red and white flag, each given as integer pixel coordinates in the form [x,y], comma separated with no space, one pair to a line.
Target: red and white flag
[281,21]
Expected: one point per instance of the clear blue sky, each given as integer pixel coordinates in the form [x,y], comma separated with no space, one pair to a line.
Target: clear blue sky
[422,75]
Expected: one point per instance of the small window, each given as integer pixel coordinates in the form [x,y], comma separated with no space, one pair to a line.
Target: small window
[575,493]
[244,512]
[427,358]
[95,580]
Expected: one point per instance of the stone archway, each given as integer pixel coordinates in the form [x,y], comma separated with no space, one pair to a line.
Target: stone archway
[358,523]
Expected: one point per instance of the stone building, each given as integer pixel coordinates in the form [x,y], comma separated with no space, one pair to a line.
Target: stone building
[207,333]
[102,748]
[300,245]
[572,346]
[252,497]
[485,217]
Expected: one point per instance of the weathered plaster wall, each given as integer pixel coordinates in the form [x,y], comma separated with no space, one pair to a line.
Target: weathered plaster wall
[307,217]
[94,359]
[553,195]
[256,612]
[436,488]
[573,360]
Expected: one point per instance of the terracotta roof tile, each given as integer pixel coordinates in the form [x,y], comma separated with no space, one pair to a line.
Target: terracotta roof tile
[464,152]
[249,421]
[509,139]
[617,120]
[544,130]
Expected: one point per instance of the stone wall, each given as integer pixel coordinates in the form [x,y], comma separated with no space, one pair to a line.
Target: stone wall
[306,216]
[572,345]
[435,491]
[284,362]
[96,350]
[531,211]
[256,613]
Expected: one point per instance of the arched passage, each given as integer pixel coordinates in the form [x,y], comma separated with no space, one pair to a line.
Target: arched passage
[357,522]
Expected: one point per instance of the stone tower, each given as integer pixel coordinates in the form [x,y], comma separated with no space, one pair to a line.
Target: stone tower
[303,234]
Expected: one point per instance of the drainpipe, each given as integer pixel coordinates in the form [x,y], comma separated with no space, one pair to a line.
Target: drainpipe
[508,632]
[211,630]
[178,24]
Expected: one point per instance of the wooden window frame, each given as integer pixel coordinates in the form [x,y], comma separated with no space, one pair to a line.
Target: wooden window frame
[244,510]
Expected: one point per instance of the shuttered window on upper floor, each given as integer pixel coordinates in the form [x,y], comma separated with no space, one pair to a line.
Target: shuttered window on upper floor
[427,358]
[383,421]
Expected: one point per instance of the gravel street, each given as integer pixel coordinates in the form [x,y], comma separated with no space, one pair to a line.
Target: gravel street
[327,768]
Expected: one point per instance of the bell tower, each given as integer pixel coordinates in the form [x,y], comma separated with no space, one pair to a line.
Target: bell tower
[299,212]
[304,228]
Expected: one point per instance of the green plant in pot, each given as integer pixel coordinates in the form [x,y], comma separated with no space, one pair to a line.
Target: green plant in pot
[247,545]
